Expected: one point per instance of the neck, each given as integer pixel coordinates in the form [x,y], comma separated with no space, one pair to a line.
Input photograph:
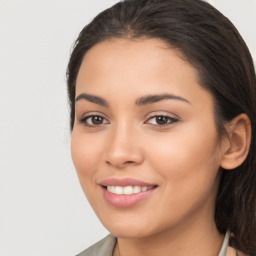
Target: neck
[195,239]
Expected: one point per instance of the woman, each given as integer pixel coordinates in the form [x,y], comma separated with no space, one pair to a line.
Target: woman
[163,106]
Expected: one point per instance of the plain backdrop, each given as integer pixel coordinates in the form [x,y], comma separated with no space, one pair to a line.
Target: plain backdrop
[43,211]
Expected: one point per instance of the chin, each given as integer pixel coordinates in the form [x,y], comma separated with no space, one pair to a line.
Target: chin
[126,233]
[129,230]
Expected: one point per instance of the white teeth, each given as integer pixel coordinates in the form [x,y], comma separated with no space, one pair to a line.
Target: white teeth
[111,189]
[136,189]
[119,190]
[144,188]
[128,190]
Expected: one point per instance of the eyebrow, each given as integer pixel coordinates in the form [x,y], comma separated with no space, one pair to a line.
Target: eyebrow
[149,99]
[156,98]
[92,98]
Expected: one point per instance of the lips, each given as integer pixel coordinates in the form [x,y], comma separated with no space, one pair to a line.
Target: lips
[125,182]
[126,192]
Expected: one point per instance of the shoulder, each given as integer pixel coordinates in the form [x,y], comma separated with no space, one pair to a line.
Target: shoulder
[104,247]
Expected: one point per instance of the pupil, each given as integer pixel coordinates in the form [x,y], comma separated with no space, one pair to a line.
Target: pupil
[97,120]
[161,120]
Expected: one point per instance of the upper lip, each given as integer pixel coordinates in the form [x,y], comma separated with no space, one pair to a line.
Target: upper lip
[124,182]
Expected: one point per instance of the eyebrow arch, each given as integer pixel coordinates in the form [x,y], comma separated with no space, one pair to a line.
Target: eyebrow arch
[155,98]
[92,98]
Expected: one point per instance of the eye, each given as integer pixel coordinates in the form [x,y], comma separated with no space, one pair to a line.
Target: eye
[94,121]
[161,120]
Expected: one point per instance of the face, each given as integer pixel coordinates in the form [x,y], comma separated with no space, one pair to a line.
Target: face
[144,143]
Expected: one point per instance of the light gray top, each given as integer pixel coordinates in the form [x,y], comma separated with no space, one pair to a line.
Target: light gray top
[106,246]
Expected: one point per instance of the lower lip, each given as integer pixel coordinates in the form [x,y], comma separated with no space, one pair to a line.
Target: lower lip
[124,201]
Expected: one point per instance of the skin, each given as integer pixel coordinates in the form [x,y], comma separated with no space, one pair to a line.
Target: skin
[181,157]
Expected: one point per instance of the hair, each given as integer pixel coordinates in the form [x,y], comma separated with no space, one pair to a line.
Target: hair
[210,43]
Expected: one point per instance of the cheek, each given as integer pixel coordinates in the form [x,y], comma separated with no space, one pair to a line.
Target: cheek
[188,160]
[188,167]
[85,152]
[185,147]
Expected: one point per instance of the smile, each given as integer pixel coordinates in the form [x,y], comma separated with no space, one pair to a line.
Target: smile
[127,190]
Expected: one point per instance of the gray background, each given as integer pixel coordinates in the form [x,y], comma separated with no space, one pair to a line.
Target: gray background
[43,211]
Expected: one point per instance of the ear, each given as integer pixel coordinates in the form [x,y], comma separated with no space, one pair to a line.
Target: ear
[235,146]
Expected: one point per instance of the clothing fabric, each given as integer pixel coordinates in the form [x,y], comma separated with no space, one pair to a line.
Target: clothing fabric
[106,246]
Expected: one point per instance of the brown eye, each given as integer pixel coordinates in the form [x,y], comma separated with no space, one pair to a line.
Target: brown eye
[94,120]
[161,120]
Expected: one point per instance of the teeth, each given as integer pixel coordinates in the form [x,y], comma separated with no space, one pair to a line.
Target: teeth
[118,190]
[128,190]
[136,189]
[144,188]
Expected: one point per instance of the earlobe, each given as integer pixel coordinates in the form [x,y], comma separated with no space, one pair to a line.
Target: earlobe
[237,143]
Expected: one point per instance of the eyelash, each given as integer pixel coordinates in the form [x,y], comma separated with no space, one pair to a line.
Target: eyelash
[84,121]
[169,120]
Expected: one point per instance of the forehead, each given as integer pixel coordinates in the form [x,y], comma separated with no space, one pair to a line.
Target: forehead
[127,55]
[140,66]
[141,46]
[150,52]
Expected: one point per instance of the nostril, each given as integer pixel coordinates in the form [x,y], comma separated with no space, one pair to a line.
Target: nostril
[120,165]
[129,162]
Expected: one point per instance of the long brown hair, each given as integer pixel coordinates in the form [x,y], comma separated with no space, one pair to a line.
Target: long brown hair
[211,43]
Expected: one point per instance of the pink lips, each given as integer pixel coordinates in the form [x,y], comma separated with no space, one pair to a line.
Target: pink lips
[124,182]
[122,201]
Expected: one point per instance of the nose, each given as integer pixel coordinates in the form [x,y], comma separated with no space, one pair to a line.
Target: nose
[123,148]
